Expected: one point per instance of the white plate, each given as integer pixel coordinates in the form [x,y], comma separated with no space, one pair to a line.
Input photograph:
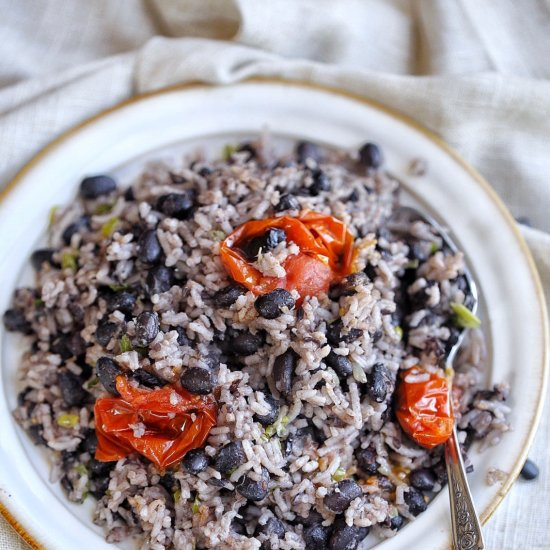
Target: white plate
[118,141]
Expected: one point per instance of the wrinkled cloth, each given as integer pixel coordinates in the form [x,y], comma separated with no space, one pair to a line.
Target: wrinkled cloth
[476,72]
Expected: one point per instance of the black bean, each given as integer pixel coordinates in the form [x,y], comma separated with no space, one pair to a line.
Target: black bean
[340,363]
[107,371]
[346,537]
[348,286]
[287,202]
[272,415]
[254,490]
[248,148]
[148,379]
[99,486]
[76,344]
[195,461]
[42,256]
[95,186]
[197,380]
[370,155]
[237,526]
[66,484]
[397,522]
[422,479]
[147,328]
[36,434]
[419,251]
[270,305]
[320,183]
[246,343]
[71,388]
[89,442]
[353,196]
[379,383]
[129,194]
[98,468]
[168,481]
[316,537]
[283,372]
[148,247]
[415,501]
[14,321]
[313,518]
[226,297]
[121,301]
[341,496]
[530,470]
[229,457]
[335,333]
[59,347]
[273,526]
[177,205]
[104,332]
[205,171]
[266,242]
[306,150]
[77,312]
[370,272]
[72,229]
[159,279]
[183,339]
[366,461]
[524,220]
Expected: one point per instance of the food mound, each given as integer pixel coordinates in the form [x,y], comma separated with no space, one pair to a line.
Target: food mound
[246,353]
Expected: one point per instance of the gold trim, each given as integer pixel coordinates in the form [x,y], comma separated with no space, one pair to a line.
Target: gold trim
[488,512]
[19,529]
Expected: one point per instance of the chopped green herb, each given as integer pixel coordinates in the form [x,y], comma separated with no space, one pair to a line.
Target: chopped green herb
[228,150]
[93,382]
[264,438]
[51,215]
[339,474]
[399,332]
[359,373]
[38,302]
[68,261]
[176,495]
[281,429]
[81,469]
[217,235]
[84,496]
[278,427]
[102,209]
[68,420]
[463,317]
[434,248]
[118,287]
[108,228]
[196,505]
[412,264]
[125,344]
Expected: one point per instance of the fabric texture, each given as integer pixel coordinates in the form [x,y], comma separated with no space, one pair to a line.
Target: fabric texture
[474,72]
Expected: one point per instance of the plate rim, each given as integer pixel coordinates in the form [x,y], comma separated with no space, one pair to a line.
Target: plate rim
[395,114]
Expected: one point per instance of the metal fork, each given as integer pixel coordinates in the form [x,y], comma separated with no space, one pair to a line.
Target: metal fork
[466,526]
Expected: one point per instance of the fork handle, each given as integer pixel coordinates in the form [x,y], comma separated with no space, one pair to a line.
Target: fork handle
[466,526]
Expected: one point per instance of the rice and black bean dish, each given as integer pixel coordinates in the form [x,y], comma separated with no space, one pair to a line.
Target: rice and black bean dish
[246,353]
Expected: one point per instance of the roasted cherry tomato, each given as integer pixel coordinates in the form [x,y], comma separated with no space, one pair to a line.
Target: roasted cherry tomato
[161,425]
[326,253]
[423,408]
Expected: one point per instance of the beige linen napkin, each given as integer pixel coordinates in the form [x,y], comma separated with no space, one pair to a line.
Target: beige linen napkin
[474,72]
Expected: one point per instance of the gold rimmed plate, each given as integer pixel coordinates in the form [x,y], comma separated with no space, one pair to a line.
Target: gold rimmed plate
[169,122]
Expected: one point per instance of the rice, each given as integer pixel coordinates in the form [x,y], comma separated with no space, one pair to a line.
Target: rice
[298,442]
